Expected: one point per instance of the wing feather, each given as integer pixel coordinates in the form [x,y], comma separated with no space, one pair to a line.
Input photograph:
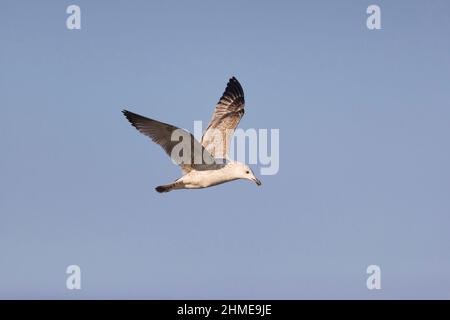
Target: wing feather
[226,117]
[166,136]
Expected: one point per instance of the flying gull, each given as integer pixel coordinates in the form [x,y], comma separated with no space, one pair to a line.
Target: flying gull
[207,163]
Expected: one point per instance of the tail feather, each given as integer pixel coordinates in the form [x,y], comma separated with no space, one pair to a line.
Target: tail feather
[171,186]
[162,189]
[168,187]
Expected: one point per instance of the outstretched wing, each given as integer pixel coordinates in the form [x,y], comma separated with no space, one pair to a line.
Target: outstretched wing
[179,144]
[229,111]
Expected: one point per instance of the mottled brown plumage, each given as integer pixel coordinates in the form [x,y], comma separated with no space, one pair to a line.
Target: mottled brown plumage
[201,167]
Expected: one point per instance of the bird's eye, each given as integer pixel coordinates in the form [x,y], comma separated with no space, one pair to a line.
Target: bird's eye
[247,172]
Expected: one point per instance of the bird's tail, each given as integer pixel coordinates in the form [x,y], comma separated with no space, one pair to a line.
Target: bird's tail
[169,187]
[165,188]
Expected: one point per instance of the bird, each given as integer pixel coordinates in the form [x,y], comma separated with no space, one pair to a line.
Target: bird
[203,164]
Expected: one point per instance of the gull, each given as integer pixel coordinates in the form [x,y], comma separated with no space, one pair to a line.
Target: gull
[209,164]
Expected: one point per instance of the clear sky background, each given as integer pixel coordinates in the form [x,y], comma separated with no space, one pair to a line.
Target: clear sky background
[364,149]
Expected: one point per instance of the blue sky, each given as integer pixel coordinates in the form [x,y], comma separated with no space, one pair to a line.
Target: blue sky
[364,126]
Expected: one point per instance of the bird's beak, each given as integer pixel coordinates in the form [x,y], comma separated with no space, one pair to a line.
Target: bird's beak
[256,180]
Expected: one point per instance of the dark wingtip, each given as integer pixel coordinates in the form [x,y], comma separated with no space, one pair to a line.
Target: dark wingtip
[126,113]
[234,89]
[233,80]
[131,117]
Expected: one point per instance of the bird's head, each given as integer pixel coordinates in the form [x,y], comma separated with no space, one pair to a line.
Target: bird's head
[242,171]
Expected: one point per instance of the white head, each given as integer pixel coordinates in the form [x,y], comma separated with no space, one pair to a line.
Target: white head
[242,171]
